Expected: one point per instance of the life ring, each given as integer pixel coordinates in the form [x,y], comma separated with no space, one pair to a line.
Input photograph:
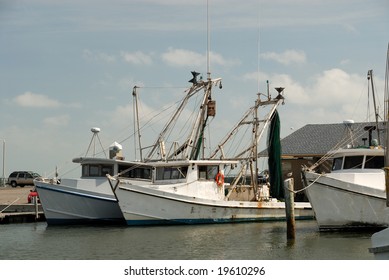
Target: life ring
[219,179]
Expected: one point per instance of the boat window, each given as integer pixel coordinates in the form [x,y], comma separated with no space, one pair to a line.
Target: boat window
[376,162]
[208,172]
[353,162]
[140,172]
[96,170]
[170,173]
[337,163]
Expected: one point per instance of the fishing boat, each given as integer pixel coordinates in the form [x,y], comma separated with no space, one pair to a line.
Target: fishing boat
[380,240]
[189,187]
[353,195]
[89,199]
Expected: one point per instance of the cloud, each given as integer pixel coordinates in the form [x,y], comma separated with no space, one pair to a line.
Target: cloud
[36,100]
[29,99]
[62,120]
[332,90]
[287,57]
[181,57]
[138,58]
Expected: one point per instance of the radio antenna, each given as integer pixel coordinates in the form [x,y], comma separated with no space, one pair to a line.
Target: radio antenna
[208,44]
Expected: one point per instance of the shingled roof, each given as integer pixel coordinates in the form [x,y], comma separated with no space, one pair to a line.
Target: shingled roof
[317,139]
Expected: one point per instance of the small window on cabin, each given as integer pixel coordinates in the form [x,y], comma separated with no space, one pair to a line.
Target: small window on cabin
[208,172]
[94,170]
[147,173]
[171,173]
[374,162]
[337,163]
[212,172]
[85,170]
[353,162]
[106,170]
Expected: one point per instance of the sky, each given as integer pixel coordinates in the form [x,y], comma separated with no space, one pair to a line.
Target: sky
[68,66]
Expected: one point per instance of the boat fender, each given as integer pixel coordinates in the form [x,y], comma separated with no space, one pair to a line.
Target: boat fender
[219,179]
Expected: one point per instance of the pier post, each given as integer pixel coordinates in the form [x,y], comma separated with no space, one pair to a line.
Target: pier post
[35,198]
[289,208]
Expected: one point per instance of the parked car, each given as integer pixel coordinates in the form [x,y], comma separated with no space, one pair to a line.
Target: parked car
[22,178]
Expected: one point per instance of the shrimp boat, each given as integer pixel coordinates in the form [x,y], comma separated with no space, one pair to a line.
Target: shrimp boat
[188,187]
[380,240]
[353,195]
[89,199]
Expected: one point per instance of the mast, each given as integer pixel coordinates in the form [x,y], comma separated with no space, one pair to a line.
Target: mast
[370,77]
[136,122]
[386,96]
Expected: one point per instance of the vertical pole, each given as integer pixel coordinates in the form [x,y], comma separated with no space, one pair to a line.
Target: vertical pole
[36,207]
[3,178]
[289,208]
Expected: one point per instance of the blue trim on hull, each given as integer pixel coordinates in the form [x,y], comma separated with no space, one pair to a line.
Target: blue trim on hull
[66,222]
[207,221]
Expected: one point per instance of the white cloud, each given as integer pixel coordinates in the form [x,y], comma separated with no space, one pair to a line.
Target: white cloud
[62,120]
[36,100]
[287,57]
[332,96]
[181,57]
[138,58]
[29,99]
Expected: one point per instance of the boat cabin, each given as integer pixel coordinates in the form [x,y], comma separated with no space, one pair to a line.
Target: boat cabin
[358,158]
[99,167]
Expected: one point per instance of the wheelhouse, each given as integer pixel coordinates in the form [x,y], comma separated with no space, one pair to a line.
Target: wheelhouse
[350,159]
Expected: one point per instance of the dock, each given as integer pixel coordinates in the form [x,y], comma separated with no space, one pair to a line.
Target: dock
[14,207]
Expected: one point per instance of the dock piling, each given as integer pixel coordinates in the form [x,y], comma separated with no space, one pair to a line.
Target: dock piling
[289,208]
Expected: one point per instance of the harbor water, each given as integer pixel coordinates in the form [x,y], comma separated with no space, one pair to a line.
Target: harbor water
[246,241]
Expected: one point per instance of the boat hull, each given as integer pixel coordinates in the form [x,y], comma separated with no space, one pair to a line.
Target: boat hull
[342,205]
[147,206]
[380,245]
[68,205]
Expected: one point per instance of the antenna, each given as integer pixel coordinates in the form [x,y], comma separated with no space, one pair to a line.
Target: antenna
[208,44]
[95,131]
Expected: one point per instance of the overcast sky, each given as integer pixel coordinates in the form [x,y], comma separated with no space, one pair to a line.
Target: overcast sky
[68,66]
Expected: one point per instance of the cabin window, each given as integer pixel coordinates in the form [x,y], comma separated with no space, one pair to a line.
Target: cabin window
[135,172]
[353,162]
[106,170]
[374,162]
[96,170]
[172,173]
[208,172]
[337,163]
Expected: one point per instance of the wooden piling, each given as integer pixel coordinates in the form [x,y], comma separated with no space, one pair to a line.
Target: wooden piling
[289,208]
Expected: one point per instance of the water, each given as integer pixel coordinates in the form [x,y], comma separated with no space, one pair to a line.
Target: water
[247,241]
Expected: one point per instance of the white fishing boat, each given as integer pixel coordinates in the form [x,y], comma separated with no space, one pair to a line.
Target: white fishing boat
[188,187]
[186,192]
[353,195]
[89,199]
[380,240]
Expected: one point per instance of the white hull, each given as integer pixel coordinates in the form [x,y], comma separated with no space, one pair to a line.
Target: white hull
[77,203]
[148,206]
[341,204]
[380,245]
